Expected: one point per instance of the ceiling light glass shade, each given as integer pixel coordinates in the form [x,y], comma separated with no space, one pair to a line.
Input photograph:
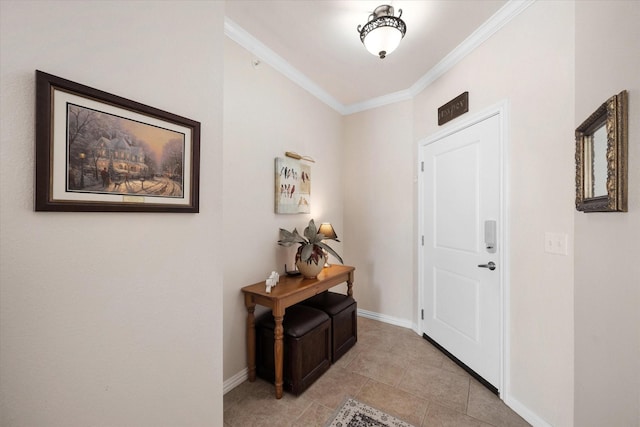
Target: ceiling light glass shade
[382,41]
[381,35]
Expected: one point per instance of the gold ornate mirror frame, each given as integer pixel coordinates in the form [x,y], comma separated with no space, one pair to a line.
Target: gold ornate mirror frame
[601,158]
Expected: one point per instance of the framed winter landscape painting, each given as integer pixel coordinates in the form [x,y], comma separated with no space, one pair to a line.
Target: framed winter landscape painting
[99,152]
[292,186]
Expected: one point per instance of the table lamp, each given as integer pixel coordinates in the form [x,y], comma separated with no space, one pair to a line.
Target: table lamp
[327,230]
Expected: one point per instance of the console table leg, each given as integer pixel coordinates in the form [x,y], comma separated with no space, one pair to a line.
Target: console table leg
[251,340]
[278,354]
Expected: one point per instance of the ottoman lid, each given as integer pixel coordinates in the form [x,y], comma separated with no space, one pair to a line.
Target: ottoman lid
[298,320]
[330,302]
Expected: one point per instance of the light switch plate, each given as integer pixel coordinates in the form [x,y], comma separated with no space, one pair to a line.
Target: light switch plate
[555,243]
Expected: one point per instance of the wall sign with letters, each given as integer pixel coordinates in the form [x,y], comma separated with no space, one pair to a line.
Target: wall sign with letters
[454,108]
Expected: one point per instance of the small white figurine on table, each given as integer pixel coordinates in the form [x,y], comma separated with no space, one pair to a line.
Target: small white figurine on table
[271,281]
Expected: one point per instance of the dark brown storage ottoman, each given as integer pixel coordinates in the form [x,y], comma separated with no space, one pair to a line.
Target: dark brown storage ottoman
[307,347]
[344,323]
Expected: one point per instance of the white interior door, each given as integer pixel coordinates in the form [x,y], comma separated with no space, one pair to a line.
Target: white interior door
[461,182]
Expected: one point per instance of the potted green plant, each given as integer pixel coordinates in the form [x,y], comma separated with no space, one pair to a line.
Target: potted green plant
[311,255]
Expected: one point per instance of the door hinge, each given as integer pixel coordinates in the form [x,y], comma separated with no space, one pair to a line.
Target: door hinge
[422,314]
[423,240]
[422,166]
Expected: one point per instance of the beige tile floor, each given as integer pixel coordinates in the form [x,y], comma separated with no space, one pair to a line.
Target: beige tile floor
[390,368]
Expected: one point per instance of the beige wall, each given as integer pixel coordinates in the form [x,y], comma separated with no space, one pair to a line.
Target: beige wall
[530,64]
[607,271]
[379,209]
[265,114]
[110,319]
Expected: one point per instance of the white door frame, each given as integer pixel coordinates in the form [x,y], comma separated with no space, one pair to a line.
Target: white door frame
[501,110]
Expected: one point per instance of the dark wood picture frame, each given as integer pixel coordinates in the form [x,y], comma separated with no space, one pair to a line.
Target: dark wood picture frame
[96,152]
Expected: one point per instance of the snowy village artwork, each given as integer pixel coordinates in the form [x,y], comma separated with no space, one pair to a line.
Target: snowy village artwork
[111,154]
[99,152]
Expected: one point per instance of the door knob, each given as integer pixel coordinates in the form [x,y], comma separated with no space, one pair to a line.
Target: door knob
[491,265]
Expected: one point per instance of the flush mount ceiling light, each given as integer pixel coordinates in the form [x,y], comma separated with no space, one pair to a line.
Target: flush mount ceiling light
[382,33]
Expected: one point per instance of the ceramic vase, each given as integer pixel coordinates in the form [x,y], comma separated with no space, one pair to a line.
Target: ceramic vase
[314,265]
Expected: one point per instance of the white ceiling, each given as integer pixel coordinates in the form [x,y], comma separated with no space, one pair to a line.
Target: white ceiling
[315,42]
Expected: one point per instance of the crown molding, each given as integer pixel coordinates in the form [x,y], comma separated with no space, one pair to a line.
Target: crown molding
[256,47]
[498,20]
[380,101]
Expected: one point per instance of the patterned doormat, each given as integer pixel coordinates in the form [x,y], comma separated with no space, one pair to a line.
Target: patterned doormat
[356,414]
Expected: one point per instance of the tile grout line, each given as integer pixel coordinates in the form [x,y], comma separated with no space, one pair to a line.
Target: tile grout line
[426,413]
[466,411]
[298,418]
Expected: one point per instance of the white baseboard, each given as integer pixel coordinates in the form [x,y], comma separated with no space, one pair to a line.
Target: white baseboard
[235,381]
[386,319]
[526,413]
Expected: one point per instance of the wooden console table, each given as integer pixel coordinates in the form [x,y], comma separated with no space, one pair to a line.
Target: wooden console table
[289,291]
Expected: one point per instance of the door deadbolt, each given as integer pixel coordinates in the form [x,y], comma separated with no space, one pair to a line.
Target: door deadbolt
[491,265]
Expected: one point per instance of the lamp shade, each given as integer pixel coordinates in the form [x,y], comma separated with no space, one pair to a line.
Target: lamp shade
[382,34]
[327,230]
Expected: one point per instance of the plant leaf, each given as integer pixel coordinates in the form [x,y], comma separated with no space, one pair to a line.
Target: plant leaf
[331,251]
[306,252]
[310,232]
[288,238]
